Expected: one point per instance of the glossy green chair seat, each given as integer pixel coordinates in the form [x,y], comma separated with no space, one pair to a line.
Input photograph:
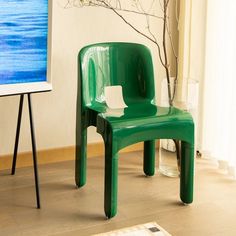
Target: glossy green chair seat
[138,124]
[128,65]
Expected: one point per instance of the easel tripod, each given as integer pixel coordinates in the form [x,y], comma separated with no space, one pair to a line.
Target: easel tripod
[32,141]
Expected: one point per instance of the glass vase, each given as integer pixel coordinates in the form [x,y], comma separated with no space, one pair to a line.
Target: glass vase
[186,98]
[168,161]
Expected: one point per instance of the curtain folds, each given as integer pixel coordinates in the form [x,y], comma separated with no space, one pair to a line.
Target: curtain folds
[219,95]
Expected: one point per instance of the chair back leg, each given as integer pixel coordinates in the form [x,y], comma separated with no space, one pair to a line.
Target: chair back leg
[149,158]
[81,157]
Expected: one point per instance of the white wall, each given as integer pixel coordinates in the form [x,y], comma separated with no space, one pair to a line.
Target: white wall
[54,112]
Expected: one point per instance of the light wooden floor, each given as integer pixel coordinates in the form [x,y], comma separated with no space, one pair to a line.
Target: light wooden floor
[70,211]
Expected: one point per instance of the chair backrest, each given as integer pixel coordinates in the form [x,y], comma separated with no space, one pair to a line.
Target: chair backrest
[106,64]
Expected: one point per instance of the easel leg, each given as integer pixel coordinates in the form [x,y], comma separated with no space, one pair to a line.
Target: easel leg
[17,134]
[33,144]
[34,151]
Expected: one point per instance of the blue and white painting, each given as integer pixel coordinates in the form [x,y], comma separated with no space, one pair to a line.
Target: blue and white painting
[23,41]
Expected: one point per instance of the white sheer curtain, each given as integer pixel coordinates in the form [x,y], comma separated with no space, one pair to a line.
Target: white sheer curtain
[219,113]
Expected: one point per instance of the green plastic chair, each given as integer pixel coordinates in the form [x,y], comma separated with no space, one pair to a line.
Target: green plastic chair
[129,65]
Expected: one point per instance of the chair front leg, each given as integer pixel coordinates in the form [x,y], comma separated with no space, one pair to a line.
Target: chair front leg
[187,172]
[111,176]
[81,157]
[149,158]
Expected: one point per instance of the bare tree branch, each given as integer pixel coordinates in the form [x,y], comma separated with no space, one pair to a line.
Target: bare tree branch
[97,3]
[135,29]
[136,7]
[165,4]
[149,30]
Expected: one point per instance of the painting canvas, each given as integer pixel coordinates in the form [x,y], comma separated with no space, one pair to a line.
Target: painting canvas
[23,41]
